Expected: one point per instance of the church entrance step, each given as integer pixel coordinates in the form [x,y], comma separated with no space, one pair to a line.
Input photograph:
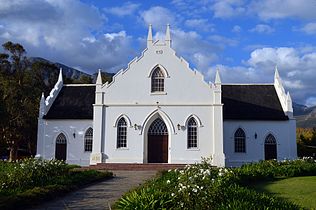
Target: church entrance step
[137,166]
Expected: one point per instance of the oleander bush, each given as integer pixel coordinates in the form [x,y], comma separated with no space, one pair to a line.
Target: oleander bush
[28,182]
[201,186]
[29,173]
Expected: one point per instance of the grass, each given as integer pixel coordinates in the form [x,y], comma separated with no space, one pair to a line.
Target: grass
[300,190]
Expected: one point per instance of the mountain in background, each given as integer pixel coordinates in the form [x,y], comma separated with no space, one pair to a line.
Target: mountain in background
[305,116]
[68,72]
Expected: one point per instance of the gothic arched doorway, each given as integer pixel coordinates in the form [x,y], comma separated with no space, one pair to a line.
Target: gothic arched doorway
[270,148]
[61,147]
[157,142]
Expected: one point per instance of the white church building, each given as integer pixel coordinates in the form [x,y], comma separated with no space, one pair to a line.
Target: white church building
[159,110]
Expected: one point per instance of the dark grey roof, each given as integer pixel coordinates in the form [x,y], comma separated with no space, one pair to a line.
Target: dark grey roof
[73,102]
[251,102]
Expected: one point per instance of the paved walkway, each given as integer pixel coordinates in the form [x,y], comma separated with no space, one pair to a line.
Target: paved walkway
[100,195]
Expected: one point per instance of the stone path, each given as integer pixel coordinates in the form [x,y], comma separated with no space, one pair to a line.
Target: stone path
[100,195]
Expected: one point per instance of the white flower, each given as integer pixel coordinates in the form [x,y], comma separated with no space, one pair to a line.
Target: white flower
[194,190]
[172,194]
[168,181]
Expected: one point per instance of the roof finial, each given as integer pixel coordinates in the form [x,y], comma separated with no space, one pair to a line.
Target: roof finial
[168,36]
[276,73]
[99,78]
[150,35]
[60,77]
[217,77]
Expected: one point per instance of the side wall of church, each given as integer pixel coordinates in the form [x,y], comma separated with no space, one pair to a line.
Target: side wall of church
[142,116]
[75,143]
[283,131]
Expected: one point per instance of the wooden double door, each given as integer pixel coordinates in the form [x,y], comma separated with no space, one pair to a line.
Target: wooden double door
[157,147]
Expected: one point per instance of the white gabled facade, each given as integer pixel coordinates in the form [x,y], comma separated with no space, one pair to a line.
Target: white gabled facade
[129,95]
[185,98]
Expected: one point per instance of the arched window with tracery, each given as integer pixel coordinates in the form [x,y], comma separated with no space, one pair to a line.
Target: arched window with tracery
[157,81]
[121,133]
[240,141]
[88,138]
[192,134]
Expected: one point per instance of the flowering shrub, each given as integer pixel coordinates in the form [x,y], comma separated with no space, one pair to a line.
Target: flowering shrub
[202,186]
[27,173]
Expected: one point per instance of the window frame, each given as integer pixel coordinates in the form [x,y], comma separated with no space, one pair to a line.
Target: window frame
[240,141]
[88,140]
[192,134]
[121,134]
[158,81]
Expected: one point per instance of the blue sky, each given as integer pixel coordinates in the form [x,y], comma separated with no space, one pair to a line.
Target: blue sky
[244,39]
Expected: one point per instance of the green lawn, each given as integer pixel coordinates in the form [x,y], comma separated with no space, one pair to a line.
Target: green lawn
[300,190]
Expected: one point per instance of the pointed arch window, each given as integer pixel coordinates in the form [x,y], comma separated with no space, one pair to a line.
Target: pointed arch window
[61,139]
[157,81]
[88,139]
[121,133]
[158,128]
[240,141]
[192,133]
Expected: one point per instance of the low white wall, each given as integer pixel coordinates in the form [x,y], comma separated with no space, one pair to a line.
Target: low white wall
[283,131]
[75,145]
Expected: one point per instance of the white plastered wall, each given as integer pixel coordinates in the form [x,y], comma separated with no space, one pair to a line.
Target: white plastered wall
[283,131]
[75,145]
[136,151]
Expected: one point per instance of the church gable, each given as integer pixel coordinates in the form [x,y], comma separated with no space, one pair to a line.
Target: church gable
[158,75]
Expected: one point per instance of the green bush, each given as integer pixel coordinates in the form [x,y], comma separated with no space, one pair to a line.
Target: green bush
[31,181]
[201,186]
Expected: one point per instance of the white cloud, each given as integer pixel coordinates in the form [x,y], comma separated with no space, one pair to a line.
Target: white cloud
[262,28]
[200,24]
[158,17]
[223,41]
[193,48]
[236,29]
[128,8]
[228,8]
[296,67]
[278,9]
[309,28]
[53,29]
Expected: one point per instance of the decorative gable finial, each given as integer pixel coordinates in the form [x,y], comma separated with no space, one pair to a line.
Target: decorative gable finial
[42,98]
[217,77]
[289,106]
[99,78]
[150,35]
[168,36]
[60,77]
[42,106]
[276,73]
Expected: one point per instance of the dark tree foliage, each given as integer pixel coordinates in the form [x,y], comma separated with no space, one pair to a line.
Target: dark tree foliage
[306,142]
[21,86]
[20,89]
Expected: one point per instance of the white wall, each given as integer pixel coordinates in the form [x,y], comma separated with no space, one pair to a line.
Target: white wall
[75,146]
[136,151]
[283,131]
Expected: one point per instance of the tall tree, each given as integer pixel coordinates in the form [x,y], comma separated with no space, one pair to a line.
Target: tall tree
[18,99]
